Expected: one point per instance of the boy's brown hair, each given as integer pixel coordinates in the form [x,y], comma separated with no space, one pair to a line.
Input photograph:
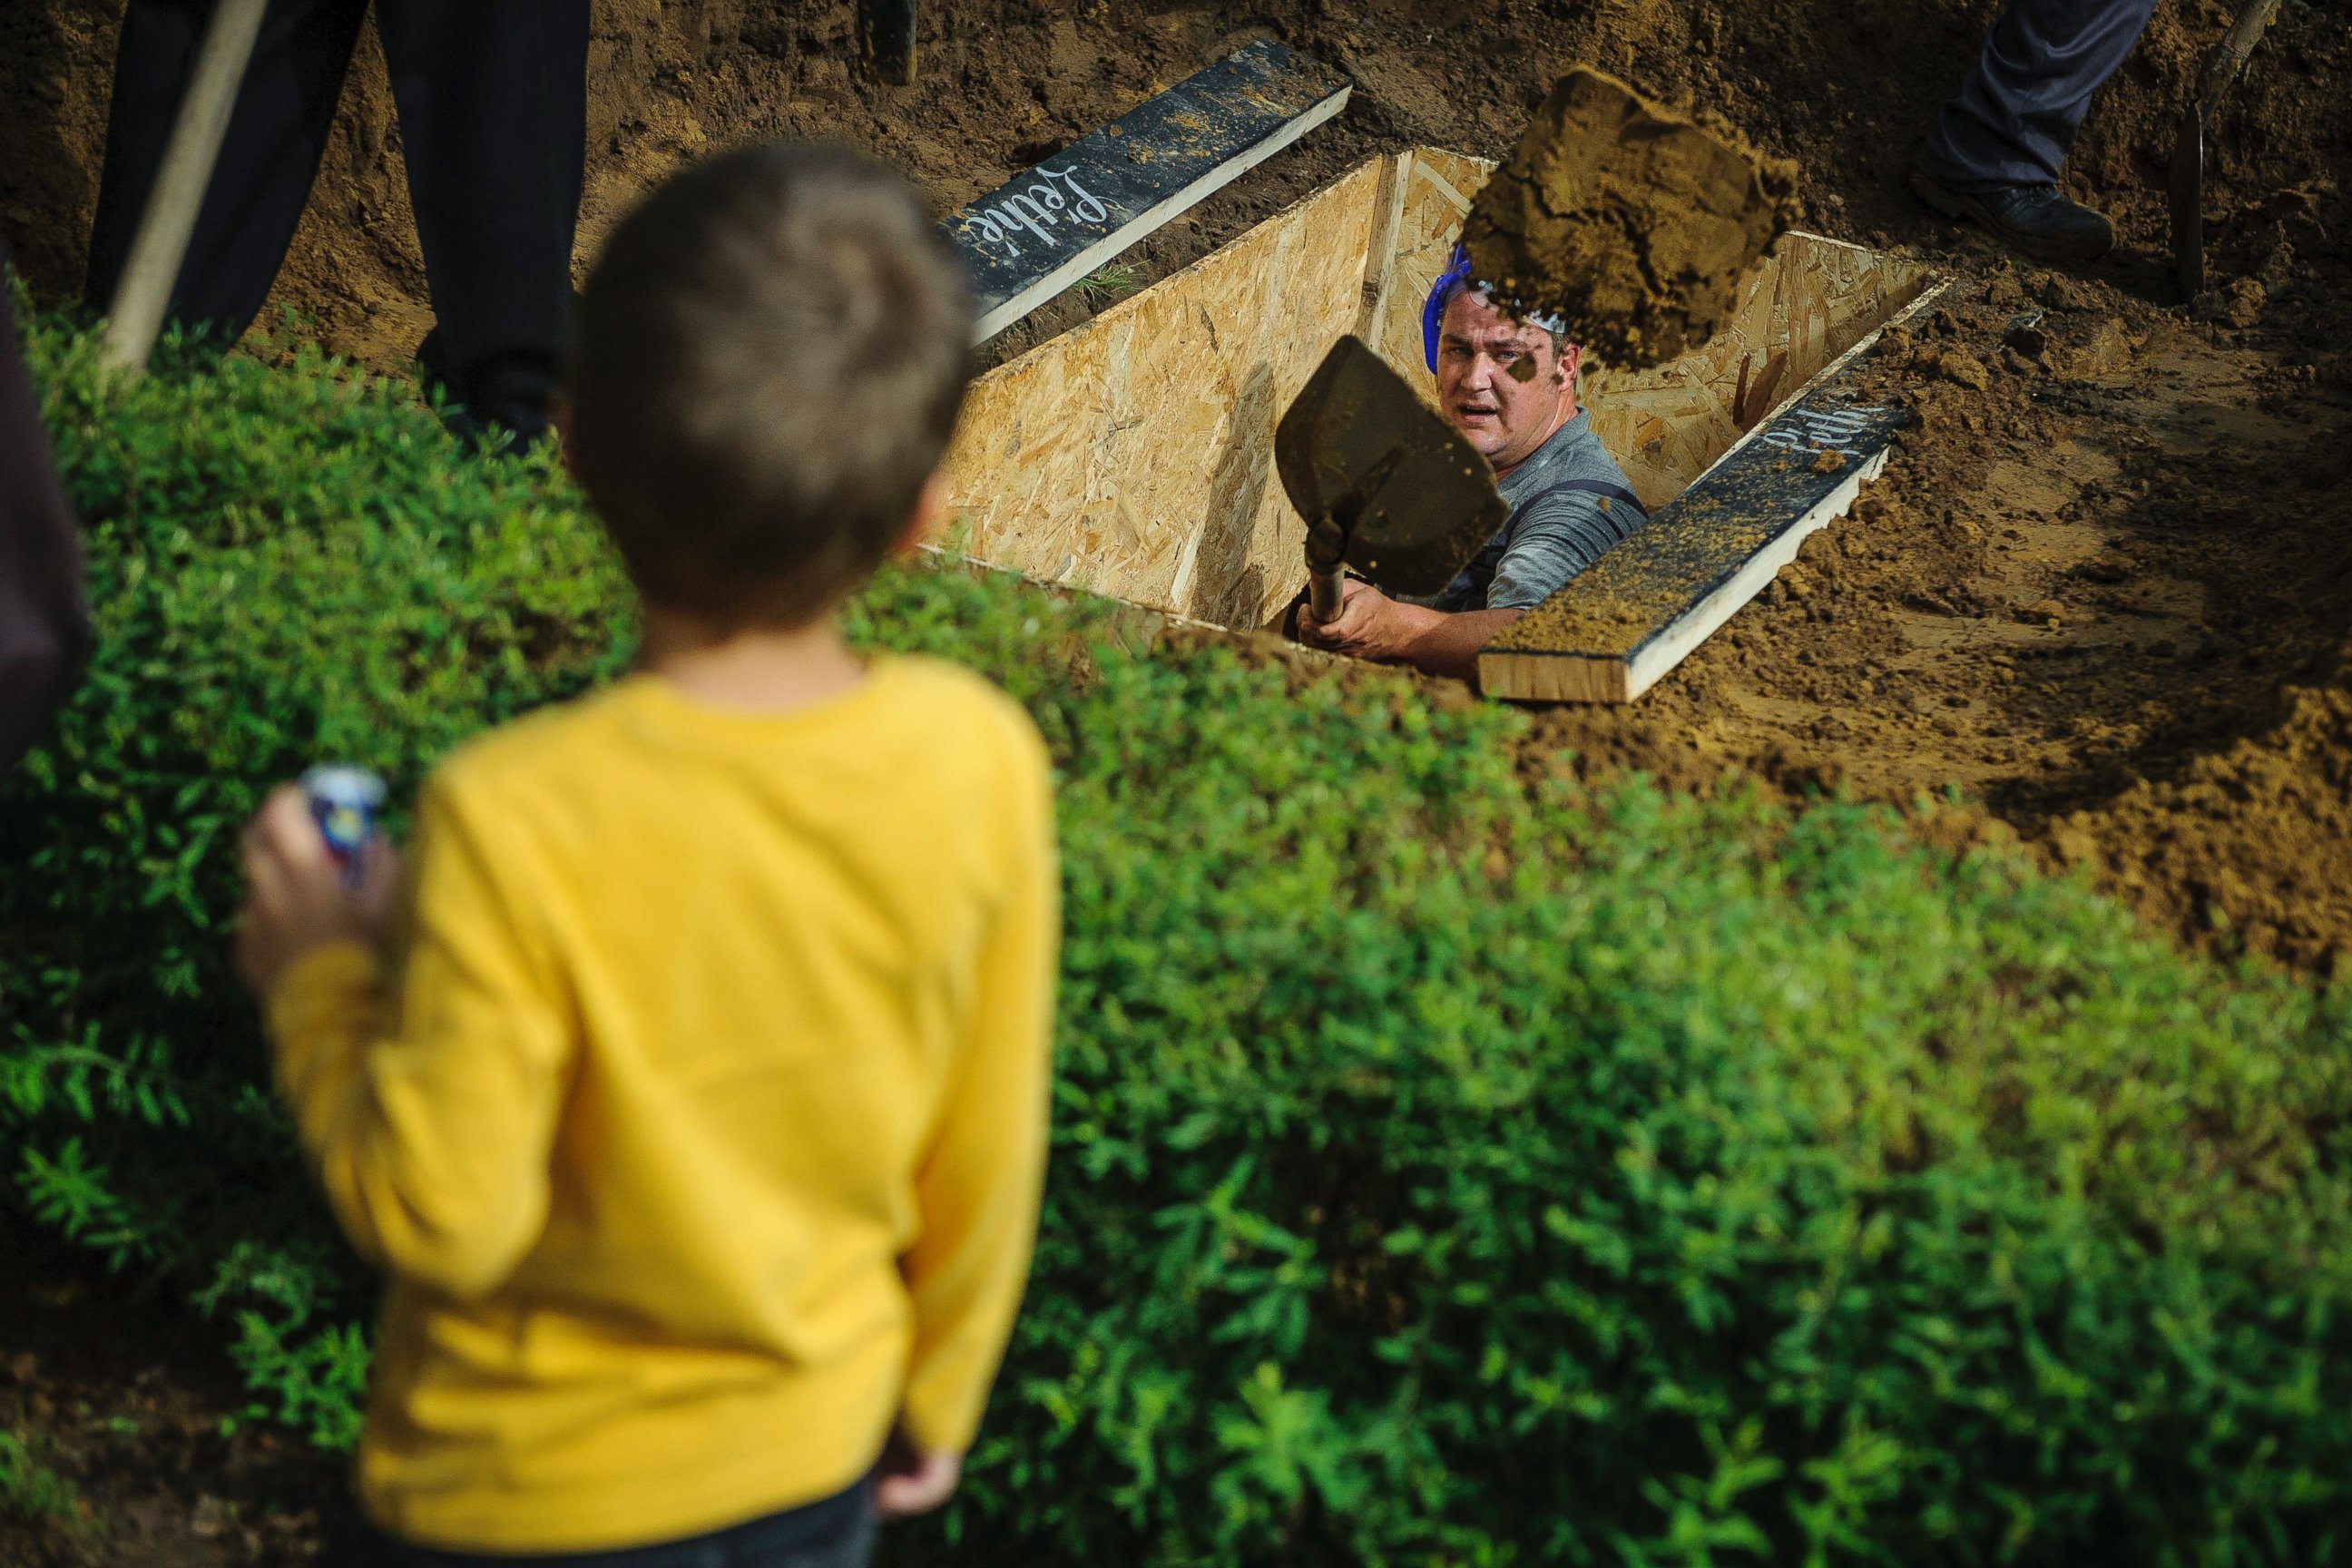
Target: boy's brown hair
[767,364]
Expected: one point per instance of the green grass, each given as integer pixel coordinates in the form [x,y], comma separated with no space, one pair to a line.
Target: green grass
[1453,1164]
[1109,284]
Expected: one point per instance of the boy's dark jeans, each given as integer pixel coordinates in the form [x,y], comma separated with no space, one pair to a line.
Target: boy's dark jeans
[837,1532]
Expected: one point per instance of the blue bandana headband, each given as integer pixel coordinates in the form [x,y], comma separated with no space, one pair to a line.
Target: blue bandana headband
[1432,310]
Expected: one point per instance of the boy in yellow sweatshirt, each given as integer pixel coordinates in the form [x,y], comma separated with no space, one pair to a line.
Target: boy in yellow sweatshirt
[691,1090]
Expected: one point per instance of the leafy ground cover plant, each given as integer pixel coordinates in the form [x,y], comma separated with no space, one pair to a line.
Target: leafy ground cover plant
[1453,1162]
[31,1490]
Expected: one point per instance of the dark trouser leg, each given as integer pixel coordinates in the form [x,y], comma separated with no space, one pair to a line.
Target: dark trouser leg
[2017,111]
[493,101]
[837,1532]
[271,153]
[43,622]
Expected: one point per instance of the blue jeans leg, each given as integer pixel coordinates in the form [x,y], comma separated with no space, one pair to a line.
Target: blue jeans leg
[2017,114]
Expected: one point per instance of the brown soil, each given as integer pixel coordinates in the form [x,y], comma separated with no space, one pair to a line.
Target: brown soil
[1633,222]
[127,1435]
[2104,589]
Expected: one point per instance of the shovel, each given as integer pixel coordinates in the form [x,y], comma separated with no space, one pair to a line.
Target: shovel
[136,312]
[1386,485]
[2187,185]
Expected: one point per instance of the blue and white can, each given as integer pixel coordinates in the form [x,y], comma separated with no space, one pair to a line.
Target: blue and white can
[345,802]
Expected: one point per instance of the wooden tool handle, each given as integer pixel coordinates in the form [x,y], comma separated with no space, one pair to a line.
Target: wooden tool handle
[136,312]
[1323,593]
[2227,59]
[1327,554]
[890,27]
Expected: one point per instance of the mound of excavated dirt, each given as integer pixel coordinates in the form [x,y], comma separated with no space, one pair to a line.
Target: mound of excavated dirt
[2105,587]
[1634,224]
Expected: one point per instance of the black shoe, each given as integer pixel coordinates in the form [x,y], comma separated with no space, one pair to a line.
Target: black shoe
[2034,219]
[503,401]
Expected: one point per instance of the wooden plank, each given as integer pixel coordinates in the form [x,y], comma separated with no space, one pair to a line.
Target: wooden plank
[1381,260]
[1612,632]
[1057,222]
[1134,455]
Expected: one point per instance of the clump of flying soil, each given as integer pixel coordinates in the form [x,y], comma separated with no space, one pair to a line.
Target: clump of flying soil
[1632,222]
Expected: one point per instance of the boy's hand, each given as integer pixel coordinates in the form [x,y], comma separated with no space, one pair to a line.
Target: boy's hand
[296,899]
[908,1482]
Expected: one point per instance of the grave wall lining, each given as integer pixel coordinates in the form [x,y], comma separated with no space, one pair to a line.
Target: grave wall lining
[1813,298]
[1134,455]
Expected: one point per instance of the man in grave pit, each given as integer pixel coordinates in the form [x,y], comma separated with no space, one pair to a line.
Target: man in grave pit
[1510,387]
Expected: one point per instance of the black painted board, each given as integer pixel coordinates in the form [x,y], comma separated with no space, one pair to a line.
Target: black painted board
[1794,465]
[1054,224]
[1655,584]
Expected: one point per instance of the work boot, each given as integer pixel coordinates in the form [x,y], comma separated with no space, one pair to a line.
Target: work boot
[2035,219]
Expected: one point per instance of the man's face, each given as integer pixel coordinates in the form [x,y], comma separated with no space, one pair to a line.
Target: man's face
[1498,380]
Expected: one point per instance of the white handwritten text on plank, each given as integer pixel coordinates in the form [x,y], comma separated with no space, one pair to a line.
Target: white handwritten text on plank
[1814,429]
[1055,197]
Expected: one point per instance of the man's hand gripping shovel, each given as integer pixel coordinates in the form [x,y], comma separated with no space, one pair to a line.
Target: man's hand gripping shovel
[1387,487]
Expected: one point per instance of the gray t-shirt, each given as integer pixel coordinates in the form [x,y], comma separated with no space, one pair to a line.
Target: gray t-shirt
[1570,502]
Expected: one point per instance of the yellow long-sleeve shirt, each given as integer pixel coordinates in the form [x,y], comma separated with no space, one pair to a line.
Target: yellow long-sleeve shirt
[700,1125]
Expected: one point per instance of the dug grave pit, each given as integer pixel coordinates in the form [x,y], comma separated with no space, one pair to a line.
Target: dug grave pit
[1133,456]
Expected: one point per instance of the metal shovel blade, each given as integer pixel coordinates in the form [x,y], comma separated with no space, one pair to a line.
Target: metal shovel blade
[2187,191]
[1413,501]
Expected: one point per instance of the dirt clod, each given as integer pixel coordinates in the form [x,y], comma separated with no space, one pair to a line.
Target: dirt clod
[1632,222]
[1957,366]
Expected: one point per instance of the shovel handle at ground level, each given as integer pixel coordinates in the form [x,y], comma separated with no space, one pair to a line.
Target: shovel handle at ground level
[889,27]
[136,312]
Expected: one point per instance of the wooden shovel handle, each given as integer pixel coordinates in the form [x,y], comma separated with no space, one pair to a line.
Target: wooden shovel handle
[136,314]
[1323,593]
[2229,58]
[889,27]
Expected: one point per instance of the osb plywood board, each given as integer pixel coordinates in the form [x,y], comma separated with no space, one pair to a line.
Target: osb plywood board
[1437,188]
[1811,301]
[1134,456]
